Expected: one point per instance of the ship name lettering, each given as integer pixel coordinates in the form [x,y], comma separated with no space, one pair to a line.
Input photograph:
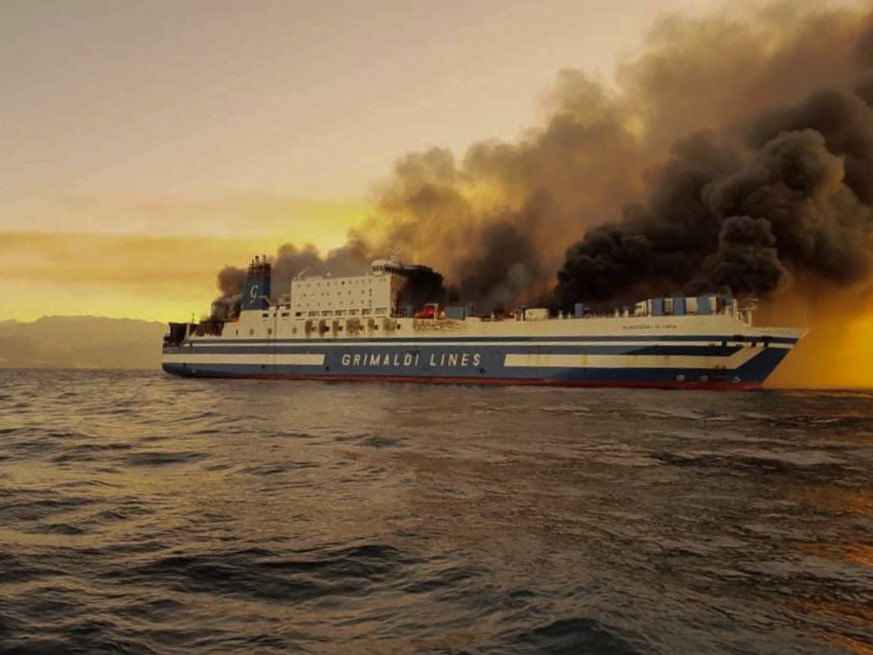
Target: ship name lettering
[399,359]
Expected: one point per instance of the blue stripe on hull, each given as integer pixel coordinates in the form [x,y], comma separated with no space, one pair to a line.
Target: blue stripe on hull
[692,351]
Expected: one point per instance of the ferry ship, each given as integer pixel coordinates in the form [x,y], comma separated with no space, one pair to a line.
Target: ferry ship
[379,326]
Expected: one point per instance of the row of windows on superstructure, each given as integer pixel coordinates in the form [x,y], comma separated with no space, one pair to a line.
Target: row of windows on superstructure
[306,294]
[335,283]
[342,312]
[337,312]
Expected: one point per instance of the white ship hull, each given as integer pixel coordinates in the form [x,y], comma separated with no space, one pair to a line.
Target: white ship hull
[688,351]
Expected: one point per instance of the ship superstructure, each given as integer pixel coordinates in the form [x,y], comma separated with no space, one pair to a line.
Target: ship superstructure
[383,325]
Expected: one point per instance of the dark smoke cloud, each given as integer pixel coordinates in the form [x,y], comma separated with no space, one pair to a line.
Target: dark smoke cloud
[802,189]
[290,261]
[600,149]
[787,190]
[489,221]
[864,88]
[231,281]
[797,202]
[843,119]
[733,150]
[507,266]
[746,260]
[659,245]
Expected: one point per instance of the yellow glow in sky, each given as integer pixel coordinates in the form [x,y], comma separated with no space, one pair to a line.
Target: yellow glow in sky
[154,278]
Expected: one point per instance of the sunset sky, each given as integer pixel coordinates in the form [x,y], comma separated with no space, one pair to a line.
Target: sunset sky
[145,145]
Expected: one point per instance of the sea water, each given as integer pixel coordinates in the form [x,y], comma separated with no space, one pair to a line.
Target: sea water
[141,513]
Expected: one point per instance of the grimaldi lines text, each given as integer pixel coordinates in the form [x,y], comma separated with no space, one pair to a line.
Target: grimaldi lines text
[375,327]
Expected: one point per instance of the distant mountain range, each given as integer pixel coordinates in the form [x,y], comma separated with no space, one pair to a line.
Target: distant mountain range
[81,342]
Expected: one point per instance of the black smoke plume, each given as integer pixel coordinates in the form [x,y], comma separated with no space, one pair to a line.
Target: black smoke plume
[733,150]
[231,281]
[721,101]
[746,261]
[796,199]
